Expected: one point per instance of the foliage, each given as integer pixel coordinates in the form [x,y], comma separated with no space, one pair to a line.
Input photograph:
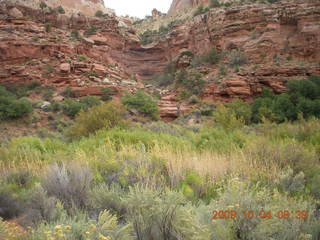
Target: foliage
[92,30]
[303,96]
[107,93]
[200,10]
[107,115]
[48,27]
[75,34]
[99,14]
[163,80]
[212,56]
[69,183]
[237,58]
[67,92]
[43,5]
[11,107]
[214,4]
[9,204]
[60,10]
[191,81]
[142,103]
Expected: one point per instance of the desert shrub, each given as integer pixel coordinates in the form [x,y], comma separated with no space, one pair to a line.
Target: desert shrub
[20,178]
[194,99]
[200,10]
[68,183]
[71,107]
[60,10]
[92,30]
[212,56]
[41,207]
[82,58]
[163,80]
[214,4]
[106,227]
[228,118]
[3,230]
[241,197]
[48,94]
[143,103]
[89,101]
[9,205]
[99,14]
[11,107]
[291,183]
[241,109]
[43,5]
[107,93]
[67,92]
[160,215]
[237,58]
[108,197]
[191,81]
[107,115]
[192,185]
[75,34]
[48,27]
[148,36]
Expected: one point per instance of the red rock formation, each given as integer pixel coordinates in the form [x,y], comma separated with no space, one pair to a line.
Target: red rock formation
[263,33]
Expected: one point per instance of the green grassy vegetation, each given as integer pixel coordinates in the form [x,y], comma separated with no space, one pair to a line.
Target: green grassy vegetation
[13,107]
[110,178]
[142,103]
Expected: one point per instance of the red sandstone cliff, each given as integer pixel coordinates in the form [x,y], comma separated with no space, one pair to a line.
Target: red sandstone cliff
[281,42]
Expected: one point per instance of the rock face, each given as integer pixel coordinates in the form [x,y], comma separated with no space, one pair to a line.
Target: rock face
[87,7]
[179,5]
[280,42]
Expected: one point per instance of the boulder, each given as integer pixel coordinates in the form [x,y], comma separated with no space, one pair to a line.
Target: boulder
[15,13]
[65,67]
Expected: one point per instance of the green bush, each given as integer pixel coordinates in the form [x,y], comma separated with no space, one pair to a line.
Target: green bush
[67,92]
[11,107]
[302,97]
[212,56]
[241,109]
[191,81]
[237,58]
[106,115]
[163,80]
[142,103]
[99,14]
[60,10]
[75,34]
[107,93]
[48,27]
[71,107]
[89,101]
[92,30]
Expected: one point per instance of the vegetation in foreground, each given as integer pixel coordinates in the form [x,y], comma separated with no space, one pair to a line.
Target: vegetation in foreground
[246,172]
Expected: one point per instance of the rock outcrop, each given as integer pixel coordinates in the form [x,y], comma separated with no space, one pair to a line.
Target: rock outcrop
[179,5]
[87,7]
[279,41]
